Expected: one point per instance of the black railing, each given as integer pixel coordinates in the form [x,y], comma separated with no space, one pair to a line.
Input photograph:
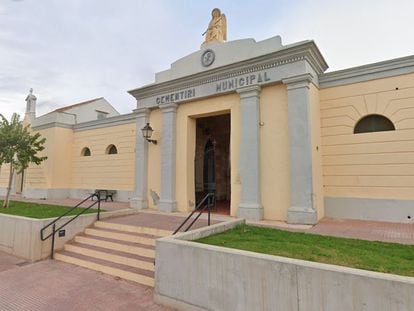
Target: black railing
[53,223]
[206,203]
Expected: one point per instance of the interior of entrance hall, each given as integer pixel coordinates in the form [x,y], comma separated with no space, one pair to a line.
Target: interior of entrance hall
[212,160]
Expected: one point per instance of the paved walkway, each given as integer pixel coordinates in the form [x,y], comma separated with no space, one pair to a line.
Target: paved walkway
[51,285]
[8,262]
[366,230]
[165,221]
[348,228]
[358,229]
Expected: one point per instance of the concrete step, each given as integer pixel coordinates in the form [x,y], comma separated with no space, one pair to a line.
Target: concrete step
[112,256]
[120,235]
[141,276]
[116,245]
[132,229]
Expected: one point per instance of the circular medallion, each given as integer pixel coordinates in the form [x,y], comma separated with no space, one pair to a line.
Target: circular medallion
[207,58]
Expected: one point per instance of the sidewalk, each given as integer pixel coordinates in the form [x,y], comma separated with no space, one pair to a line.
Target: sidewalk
[366,230]
[349,228]
[51,285]
[8,262]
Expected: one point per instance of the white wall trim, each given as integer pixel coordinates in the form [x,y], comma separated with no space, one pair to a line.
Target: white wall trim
[380,70]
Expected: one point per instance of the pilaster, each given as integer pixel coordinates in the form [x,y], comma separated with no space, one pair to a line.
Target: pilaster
[250,206]
[167,201]
[301,210]
[140,199]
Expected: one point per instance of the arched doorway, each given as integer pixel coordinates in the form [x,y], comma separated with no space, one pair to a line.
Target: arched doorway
[19,182]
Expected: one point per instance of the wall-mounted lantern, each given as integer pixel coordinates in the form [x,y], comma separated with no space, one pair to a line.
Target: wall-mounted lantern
[147,133]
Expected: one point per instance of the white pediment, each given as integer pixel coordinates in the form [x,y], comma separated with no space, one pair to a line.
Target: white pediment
[225,53]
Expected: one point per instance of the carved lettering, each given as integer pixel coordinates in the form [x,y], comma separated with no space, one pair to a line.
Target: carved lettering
[224,85]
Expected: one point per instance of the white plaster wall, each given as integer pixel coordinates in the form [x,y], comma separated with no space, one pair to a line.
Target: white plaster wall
[87,112]
[226,53]
[54,117]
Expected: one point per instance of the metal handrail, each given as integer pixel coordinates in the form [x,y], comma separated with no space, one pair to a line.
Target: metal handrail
[200,208]
[53,223]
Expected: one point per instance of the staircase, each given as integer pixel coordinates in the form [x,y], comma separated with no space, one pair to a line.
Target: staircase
[120,250]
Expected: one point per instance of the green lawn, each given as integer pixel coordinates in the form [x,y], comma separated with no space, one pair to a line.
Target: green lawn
[34,210]
[374,256]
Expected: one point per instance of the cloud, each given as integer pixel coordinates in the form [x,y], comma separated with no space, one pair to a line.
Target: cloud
[351,33]
[71,51]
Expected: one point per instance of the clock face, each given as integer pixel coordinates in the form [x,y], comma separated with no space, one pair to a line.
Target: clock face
[207,58]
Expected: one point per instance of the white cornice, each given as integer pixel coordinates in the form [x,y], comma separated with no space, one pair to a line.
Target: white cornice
[305,51]
[113,121]
[385,69]
[52,124]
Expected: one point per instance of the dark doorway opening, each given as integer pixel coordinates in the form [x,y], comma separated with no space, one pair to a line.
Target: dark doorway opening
[209,169]
[19,182]
[212,160]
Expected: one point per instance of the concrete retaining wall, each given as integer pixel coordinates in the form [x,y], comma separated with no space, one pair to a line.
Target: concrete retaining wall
[20,236]
[193,276]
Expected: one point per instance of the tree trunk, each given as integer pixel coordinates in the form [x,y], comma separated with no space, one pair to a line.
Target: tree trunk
[6,199]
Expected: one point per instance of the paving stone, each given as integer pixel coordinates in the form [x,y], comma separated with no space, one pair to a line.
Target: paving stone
[52,285]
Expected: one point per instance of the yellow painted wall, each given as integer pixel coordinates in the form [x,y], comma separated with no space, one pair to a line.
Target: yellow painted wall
[60,171]
[53,172]
[100,170]
[4,175]
[317,175]
[275,171]
[274,149]
[39,176]
[369,165]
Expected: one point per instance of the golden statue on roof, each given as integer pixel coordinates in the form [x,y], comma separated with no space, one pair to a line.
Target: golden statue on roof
[217,28]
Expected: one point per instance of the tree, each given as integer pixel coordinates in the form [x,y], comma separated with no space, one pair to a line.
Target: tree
[18,148]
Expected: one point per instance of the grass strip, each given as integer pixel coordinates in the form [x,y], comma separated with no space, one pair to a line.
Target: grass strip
[368,255]
[39,211]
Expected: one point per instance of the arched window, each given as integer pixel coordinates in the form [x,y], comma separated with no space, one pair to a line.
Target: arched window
[111,149]
[373,123]
[86,152]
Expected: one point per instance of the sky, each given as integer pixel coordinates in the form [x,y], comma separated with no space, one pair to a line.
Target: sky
[70,51]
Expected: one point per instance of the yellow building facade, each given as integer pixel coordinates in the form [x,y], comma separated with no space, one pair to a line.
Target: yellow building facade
[259,124]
